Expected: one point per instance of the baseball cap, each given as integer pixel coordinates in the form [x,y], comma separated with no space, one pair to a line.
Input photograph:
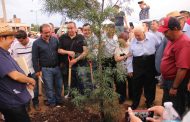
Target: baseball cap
[169,23]
[6,30]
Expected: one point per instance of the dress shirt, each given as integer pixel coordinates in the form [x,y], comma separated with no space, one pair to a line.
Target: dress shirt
[142,48]
[45,54]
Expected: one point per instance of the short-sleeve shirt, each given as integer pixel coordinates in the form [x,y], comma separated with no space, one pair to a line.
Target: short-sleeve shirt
[186,29]
[119,51]
[144,13]
[119,19]
[75,44]
[176,55]
[110,44]
[12,93]
[18,50]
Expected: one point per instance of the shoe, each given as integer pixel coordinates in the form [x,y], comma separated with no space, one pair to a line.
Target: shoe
[52,105]
[60,103]
[37,108]
[46,102]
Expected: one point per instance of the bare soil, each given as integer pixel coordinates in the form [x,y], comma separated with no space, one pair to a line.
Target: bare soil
[68,113]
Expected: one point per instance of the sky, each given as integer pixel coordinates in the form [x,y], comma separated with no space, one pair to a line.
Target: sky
[28,10]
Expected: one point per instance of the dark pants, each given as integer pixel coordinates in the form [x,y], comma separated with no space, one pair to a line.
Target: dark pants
[16,114]
[35,100]
[179,101]
[109,66]
[144,77]
[130,88]
[121,90]
[80,78]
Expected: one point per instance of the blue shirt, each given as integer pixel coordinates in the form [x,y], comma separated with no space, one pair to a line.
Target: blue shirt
[45,54]
[144,13]
[12,93]
[159,54]
[140,48]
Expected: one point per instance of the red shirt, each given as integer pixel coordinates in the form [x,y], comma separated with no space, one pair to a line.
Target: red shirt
[176,55]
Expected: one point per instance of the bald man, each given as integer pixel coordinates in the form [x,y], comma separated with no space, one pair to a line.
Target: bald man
[142,66]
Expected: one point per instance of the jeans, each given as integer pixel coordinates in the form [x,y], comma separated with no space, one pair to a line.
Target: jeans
[119,29]
[53,84]
[16,114]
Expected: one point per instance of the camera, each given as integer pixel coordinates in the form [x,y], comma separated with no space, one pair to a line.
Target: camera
[142,114]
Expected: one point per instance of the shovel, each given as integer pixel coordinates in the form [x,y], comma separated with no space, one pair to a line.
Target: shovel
[91,73]
[69,80]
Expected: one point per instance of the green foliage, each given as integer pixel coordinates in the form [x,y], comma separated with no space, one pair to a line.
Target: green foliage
[74,9]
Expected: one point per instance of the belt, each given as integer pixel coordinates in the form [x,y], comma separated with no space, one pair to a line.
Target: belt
[50,66]
[144,56]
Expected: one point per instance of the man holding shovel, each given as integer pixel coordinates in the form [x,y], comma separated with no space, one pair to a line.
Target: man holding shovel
[73,45]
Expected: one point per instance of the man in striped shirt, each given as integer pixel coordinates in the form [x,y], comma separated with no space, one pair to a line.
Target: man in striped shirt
[23,48]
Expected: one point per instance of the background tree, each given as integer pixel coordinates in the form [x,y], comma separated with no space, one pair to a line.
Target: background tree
[94,12]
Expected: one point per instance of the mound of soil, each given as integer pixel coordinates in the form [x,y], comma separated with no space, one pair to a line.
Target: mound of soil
[65,113]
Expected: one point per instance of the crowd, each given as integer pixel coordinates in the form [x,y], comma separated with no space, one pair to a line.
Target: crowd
[154,48]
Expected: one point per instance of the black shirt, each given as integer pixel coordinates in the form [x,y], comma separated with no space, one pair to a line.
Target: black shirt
[119,19]
[45,54]
[76,44]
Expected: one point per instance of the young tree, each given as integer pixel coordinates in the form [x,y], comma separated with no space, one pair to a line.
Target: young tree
[94,12]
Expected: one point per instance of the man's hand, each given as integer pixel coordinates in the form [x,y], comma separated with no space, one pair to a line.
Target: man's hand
[32,82]
[158,110]
[29,86]
[172,92]
[38,74]
[130,74]
[132,116]
[71,53]
[72,62]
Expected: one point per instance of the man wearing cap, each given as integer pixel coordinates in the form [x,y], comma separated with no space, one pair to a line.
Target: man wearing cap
[144,13]
[175,63]
[13,83]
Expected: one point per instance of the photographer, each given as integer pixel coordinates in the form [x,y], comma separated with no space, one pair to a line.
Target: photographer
[144,13]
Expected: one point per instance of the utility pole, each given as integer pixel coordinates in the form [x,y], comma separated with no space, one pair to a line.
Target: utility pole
[4,11]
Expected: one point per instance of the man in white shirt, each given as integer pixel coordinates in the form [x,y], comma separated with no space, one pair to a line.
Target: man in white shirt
[142,66]
[23,48]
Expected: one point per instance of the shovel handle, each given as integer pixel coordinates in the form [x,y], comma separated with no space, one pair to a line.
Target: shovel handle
[69,75]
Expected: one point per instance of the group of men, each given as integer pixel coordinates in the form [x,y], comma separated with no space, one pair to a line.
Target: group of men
[44,58]
[47,56]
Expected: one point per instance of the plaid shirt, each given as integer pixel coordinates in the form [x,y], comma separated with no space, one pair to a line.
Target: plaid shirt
[144,13]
